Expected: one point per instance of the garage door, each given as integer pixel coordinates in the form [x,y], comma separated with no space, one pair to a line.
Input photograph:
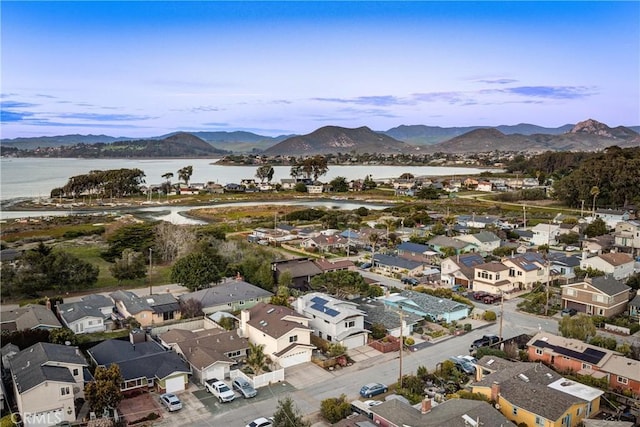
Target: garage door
[214,372]
[354,341]
[294,358]
[175,384]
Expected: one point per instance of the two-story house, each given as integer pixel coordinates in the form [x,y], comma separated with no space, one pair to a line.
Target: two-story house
[91,314]
[332,319]
[618,264]
[302,270]
[527,269]
[148,310]
[627,235]
[458,270]
[563,266]
[47,378]
[535,395]
[597,296]
[568,354]
[231,295]
[285,334]
[493,277]
[545,234]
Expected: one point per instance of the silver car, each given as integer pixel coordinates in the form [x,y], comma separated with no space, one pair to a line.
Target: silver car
[244,388]
[171,401]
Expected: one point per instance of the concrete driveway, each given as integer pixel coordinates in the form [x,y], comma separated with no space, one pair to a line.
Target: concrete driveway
[210,402]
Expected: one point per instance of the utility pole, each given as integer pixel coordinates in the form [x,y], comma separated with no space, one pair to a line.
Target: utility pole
[150,269]
[401,314]
[546,257]
[582,208]
[501,312]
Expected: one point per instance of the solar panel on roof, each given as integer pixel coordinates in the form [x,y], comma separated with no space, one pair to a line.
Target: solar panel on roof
[319,300]
[529,267]
[590,355]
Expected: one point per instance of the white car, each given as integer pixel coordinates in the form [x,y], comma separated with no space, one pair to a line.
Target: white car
[220,390]
[261,422]
[571,248]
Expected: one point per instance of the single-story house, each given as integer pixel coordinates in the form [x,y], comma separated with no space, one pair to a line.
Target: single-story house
[230,295]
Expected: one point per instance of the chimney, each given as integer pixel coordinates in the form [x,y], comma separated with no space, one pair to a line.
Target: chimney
[426,406]
[238,276]
[495,391]
[48,303]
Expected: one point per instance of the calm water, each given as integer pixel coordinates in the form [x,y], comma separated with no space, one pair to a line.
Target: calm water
[35,177]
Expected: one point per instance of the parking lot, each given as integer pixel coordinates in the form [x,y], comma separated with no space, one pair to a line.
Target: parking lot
[209,401]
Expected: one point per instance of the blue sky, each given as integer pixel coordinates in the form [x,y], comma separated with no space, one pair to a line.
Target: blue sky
[149,68]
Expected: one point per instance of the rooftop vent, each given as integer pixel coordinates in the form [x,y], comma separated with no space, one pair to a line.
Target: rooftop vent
[271,310]
[523,377]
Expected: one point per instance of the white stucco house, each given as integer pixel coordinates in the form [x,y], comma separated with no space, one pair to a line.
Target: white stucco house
[545,234]
[619,265]
[91,314]
[285,334]
[334,320]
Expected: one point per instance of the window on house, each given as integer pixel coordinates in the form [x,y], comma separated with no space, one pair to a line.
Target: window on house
[241,302]
[515,410]
[350,324]
[622,380]
[64,391]
[539,352]
[571,292]
[326,321]
[601,312]
[329,338]
[539,421]
[75,372]
[519,273]
[512,272]
[234,354]
[168,315]
[497,276]
[293,338]
[586,366]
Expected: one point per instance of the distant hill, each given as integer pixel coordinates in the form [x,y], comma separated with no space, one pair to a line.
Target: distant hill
[589,135]
[427,135]
[334,139]
[237,141]
[57,141]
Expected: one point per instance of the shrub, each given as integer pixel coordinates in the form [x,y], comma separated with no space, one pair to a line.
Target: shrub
[409,341]
[467,327]
[489,316]
[335,409]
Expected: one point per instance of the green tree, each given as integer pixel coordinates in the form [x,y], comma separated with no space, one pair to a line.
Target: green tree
[378,331]
[166,186]
[335,409]
[264,277]
[634,281]
[448,251]
[132,265]
[595,192]
[196,271]
[287,414]
[340,283]
[300,187]
[256,358]
[138,237]
[190,308]
[62,336]
[104,391]
[580,327]
[185,174]
[336,349]
[428,193]
[265,172]
[368,183]
[597,228]
[339,184]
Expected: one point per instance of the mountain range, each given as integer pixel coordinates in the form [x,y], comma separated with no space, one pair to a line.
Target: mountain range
[588,135]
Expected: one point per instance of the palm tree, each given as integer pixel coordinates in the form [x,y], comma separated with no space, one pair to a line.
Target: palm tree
[595,191]
[256,358]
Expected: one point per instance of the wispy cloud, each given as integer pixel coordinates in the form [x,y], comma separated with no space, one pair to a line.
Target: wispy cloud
[380,101]
[13,116]
[16,104]
[497,81]
[552,92]
[104,117]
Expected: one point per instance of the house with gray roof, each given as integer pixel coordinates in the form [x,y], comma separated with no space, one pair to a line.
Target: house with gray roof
[439,243]
[563,266]
[91,314]
[47,378]
[32,316]
[416,252]
[397,265]
[597,296]
[533,394]
[333,319]
[144,364]
[450,413]
[486,241]
[233,294]
[427,306]
[377,313]
[149,309]
[210,352]
[302,270]
[634,308]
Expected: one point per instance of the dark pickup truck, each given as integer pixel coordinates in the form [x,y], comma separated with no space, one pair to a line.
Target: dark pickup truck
[485,341]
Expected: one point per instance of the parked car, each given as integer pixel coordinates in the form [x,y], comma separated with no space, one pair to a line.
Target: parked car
[463,365]
[568,312]
[371,403]
[485,341]
[571,248]
[261,422]
[220,390]
[373,389]
[244,387]
[171,401]
[365,266]
[479,295]
[458,288]
[490,299]
[410,281]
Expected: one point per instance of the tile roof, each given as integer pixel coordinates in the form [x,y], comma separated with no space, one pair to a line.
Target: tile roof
[275,320]
[227,292]
[40,362]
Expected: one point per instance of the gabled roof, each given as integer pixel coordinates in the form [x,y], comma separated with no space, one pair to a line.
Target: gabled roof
[396,261]
[116,350]
[44,362]
[562,259]
[486,237]
[227,292]
[444,241]
[74,311]
[158,303]
[29,317]
[492,266]
[413,247]
[204,348]
[378,313]
[571,348]
[275,320]
[328,308]
[635,301]
[538,389]
[608,285]
[617,258]
[299,267]
[325,265]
